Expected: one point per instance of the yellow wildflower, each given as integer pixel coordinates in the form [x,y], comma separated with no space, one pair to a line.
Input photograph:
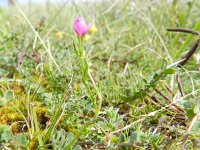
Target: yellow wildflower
[86,37]
[59,35]
[93,29]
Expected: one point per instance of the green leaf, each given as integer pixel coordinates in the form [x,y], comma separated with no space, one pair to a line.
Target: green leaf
[3,101]
[195,129]
[196,109]
[169,71]
[196,126]
[135,137]
[47,70]
[9,95]
[5,134]
[60,139]
[122,138]
[77,147]
[1,93]
[22,139]
[70,136]
[190,114]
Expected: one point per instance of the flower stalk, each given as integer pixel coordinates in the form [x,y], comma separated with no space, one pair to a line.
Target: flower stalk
[87,77]
[81,28]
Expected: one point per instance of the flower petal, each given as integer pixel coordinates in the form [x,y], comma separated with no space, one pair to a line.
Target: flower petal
[80,26]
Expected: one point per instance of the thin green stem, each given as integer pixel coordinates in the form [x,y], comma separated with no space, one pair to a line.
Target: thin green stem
[84,70]
[90,93]
[55,120]
[86,76]
[41,144]
[99,98]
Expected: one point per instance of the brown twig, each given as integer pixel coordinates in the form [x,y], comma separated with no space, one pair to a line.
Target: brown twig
[194,47]
[189,54]
[165,97]
[155,99]
[180,87]
[147,101]
[161,94]
[183,30]
[168,89]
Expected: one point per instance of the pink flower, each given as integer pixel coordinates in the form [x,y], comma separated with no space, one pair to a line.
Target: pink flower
[80,26]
